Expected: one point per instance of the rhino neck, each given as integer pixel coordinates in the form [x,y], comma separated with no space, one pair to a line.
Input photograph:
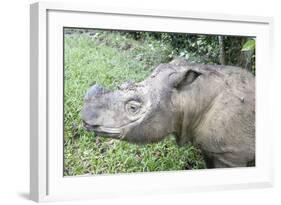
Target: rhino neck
[194,105]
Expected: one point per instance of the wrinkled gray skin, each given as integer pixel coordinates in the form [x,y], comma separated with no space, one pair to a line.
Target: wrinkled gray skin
[211,106]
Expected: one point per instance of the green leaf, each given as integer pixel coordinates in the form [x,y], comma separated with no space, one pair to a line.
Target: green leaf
[249,45]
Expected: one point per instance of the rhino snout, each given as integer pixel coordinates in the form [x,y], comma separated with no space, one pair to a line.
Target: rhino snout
[88,126]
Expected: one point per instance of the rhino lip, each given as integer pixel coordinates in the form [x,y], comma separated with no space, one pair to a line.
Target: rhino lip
[89,127]
[108,130]
[101,130]
[109,134]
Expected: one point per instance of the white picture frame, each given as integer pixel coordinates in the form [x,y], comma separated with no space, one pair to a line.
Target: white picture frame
[47,182]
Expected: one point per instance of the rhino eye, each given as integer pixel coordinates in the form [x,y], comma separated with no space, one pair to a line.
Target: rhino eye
[133,107]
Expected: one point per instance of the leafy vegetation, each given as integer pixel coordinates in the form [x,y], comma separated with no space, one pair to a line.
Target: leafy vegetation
[209,49]
[110,58]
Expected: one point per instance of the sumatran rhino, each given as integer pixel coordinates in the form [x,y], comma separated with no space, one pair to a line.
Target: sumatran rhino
[210,106]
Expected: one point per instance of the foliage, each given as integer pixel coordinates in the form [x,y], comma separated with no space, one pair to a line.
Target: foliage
[249,45]
[198,48]
[248,50]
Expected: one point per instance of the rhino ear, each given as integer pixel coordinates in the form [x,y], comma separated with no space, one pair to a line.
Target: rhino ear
[181,79]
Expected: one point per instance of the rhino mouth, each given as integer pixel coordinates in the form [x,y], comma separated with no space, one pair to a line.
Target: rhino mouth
[102,131]
[109,134]
[113,132]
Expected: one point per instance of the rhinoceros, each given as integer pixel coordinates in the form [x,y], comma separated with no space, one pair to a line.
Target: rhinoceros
[210,106]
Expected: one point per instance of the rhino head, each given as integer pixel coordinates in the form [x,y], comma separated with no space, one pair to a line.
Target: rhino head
[139,112]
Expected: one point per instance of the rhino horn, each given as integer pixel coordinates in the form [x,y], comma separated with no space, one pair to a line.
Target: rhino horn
[95,90]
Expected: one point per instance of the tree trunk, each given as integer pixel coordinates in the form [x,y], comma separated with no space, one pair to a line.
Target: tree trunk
[222,51]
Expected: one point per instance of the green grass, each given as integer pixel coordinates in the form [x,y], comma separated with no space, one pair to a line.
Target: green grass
[109,59]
